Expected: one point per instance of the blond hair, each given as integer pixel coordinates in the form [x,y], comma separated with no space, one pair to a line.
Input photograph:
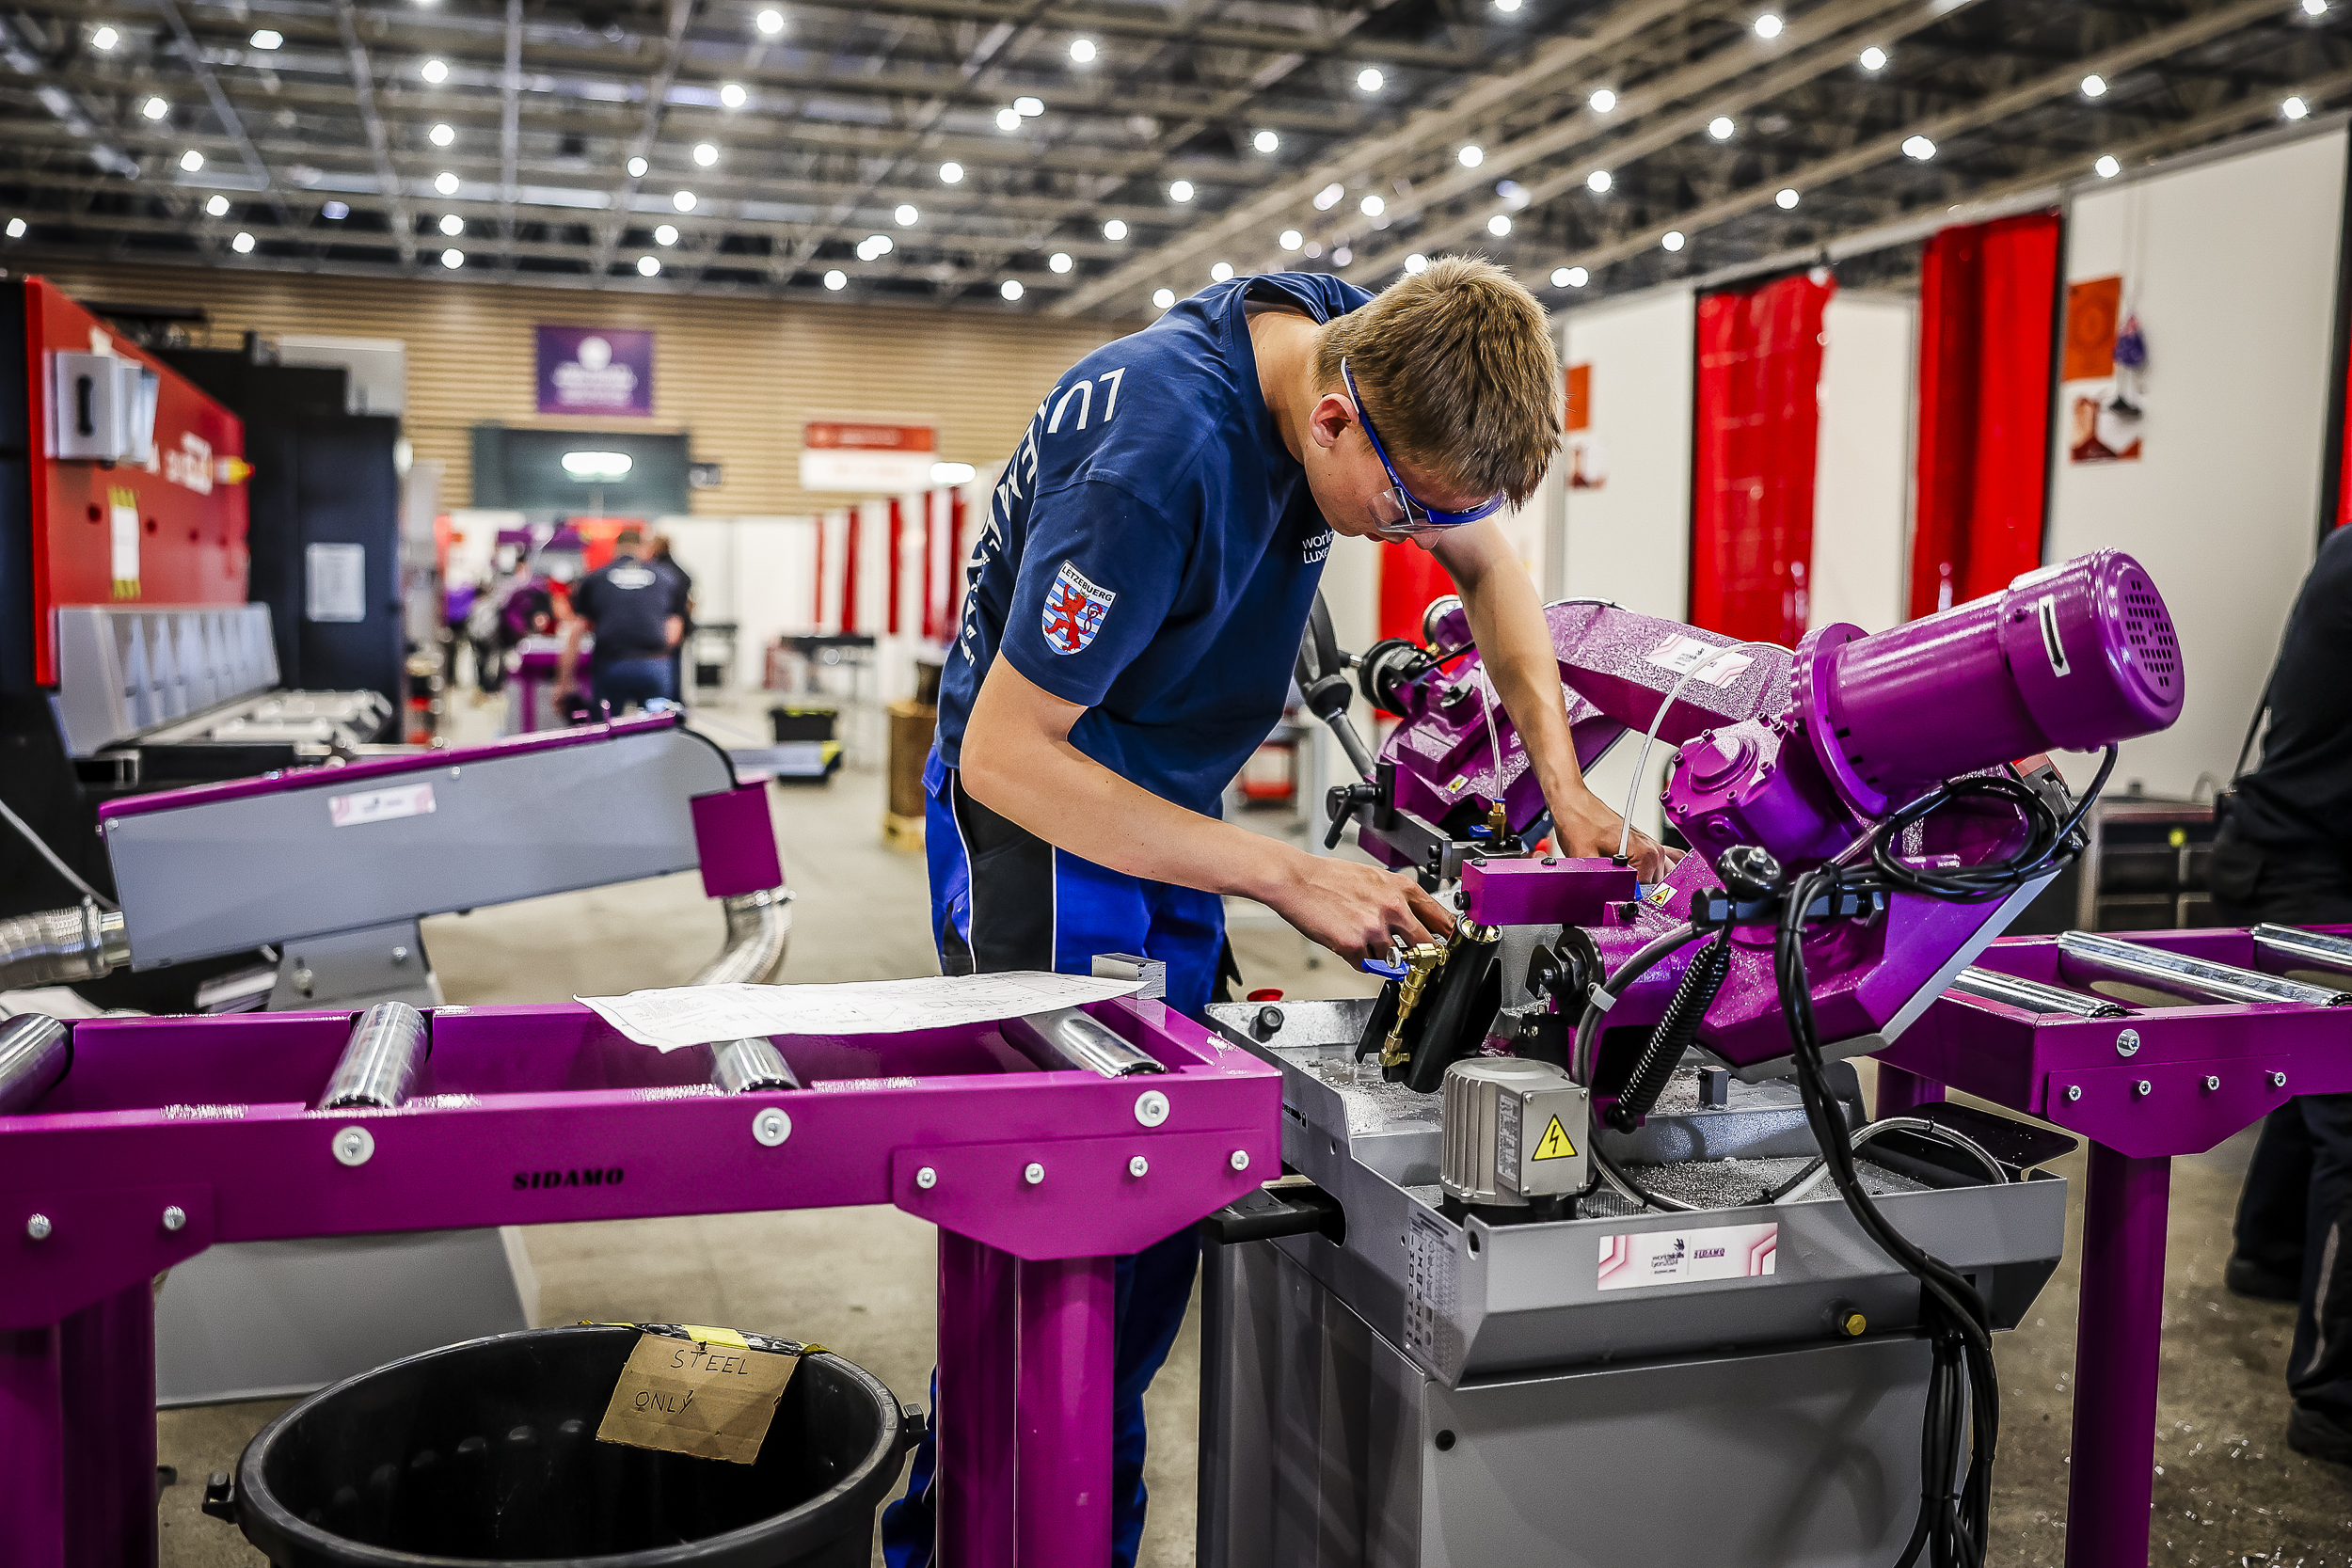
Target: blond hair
[1460,372]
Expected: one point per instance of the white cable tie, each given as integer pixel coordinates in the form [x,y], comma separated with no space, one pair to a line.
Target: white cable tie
[1599,997]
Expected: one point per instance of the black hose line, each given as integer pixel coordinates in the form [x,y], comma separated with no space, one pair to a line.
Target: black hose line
[1675,1032]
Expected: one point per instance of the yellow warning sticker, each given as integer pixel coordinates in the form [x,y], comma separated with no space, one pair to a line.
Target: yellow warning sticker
[1555,1145]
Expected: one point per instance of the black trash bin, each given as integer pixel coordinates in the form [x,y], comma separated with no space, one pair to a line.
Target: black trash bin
[485,1453]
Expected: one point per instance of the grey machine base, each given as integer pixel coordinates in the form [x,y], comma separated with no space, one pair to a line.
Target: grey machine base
[252,1319]
[1324,1446]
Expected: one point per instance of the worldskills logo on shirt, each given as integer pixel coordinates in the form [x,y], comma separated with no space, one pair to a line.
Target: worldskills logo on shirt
[1074,608]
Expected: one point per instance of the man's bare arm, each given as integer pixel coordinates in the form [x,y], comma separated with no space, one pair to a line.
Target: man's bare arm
[567,658]
[1506,617]
[1017,760]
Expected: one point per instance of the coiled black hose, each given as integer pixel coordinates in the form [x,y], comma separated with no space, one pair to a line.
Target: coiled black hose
[1674,1030]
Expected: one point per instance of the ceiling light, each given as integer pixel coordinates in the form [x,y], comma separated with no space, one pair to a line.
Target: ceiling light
[1266,141]
[1571,277]
[1498,225]
[2314,8]
[1874,58]
[1372,206]
[156,108]
[191,160]
[1115,229]
[1291,239]
[335,210]
[1222,272]
[1720,128]
[1768,25]
[441,135]
[1330,196]
[445,183]
[637,168]
[906,214]
[1507,6]
[1180,190]
[1082,51]
[216,208]
[2094,85]
[874,245]
[1674,240]
[1919,147]
[1341,255]
[1060,261]
[16,229]
[266,37]
[1009,120]
[242,244]
[731,95]
[953,473]
[666,234]
[452,259]
[950,173]
[683,201]
[1370,80]
[1598,181]
[1603,101]
[1164,297]
[770,23]
[648,267]
[2107,168]
[706,154]
[1472,156]
[1786,199]
[836,280]
[2294,108]
[1010,287]
[106,38]
[1313,250]
[452,225]
[434,72]
[596,467]
[1028,108]
[1416,265]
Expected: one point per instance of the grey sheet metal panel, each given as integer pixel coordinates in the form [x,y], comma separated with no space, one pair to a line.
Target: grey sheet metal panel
[1321,1448]
[225,875]
[1470,1300]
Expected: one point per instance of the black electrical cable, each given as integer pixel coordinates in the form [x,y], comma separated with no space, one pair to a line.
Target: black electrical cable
[2050,842]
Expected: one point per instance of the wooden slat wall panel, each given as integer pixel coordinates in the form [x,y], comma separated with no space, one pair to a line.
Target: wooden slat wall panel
[742,376]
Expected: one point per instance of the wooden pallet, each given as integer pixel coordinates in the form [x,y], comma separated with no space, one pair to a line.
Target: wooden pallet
[902,833]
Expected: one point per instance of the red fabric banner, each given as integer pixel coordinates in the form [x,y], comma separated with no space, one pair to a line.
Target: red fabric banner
[1756,439]
[1986,297]
[897,531]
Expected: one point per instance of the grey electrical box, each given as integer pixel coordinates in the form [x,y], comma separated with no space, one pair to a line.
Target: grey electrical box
[1514,1130]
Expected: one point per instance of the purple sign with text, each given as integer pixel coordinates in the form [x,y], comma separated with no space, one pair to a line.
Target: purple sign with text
[595,369]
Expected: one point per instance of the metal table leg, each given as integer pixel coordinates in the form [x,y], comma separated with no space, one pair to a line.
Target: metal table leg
[979,1345]
[1064,1403]
[78,1431]
[2118,1335]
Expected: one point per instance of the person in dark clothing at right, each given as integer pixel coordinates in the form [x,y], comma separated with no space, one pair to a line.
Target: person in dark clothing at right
[2284,854]
[657,556]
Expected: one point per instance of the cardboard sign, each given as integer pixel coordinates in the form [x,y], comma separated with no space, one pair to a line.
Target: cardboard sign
[710,1398]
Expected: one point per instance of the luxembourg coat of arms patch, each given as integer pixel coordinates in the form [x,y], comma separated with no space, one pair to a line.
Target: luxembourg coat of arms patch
[1074,608]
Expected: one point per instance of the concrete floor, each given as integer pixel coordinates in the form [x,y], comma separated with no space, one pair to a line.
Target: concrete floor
[2228,1490]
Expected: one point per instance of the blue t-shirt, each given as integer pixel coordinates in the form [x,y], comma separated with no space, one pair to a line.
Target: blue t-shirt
[1152,549]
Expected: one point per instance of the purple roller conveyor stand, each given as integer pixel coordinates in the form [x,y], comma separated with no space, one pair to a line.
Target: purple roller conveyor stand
[2141,1089]
[168,1134]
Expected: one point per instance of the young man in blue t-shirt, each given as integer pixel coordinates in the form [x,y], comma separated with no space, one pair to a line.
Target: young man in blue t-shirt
[1133,614]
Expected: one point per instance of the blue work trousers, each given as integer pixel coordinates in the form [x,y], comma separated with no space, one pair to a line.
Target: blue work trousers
[1003,898]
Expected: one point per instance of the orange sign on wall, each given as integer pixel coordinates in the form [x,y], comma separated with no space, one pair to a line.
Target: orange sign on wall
[2092,307]
[1579,397]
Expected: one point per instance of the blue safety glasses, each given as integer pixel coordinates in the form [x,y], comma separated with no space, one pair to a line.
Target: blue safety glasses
[1396,509]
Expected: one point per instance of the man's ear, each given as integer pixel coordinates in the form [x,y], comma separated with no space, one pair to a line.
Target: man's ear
[1329,419]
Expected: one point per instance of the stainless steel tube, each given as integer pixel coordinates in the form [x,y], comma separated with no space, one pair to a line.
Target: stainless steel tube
[379,1067]
[1071,1037]
[57,948]
[744,1066]
[2307,949]
[2035,997]
[759,929]
[35,1052]
[2084,956]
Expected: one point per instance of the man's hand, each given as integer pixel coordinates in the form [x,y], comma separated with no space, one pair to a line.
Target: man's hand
[1589,828]
[1357,910]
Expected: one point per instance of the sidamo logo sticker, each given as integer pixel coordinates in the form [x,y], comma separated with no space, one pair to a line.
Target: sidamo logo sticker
[529,1181]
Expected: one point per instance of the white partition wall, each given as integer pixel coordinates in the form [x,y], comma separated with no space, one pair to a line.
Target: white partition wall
[1628,539]
[759,572]
[2232,266]
[1862,484]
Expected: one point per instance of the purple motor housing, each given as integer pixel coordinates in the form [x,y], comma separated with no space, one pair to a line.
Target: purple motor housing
[2068,658]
